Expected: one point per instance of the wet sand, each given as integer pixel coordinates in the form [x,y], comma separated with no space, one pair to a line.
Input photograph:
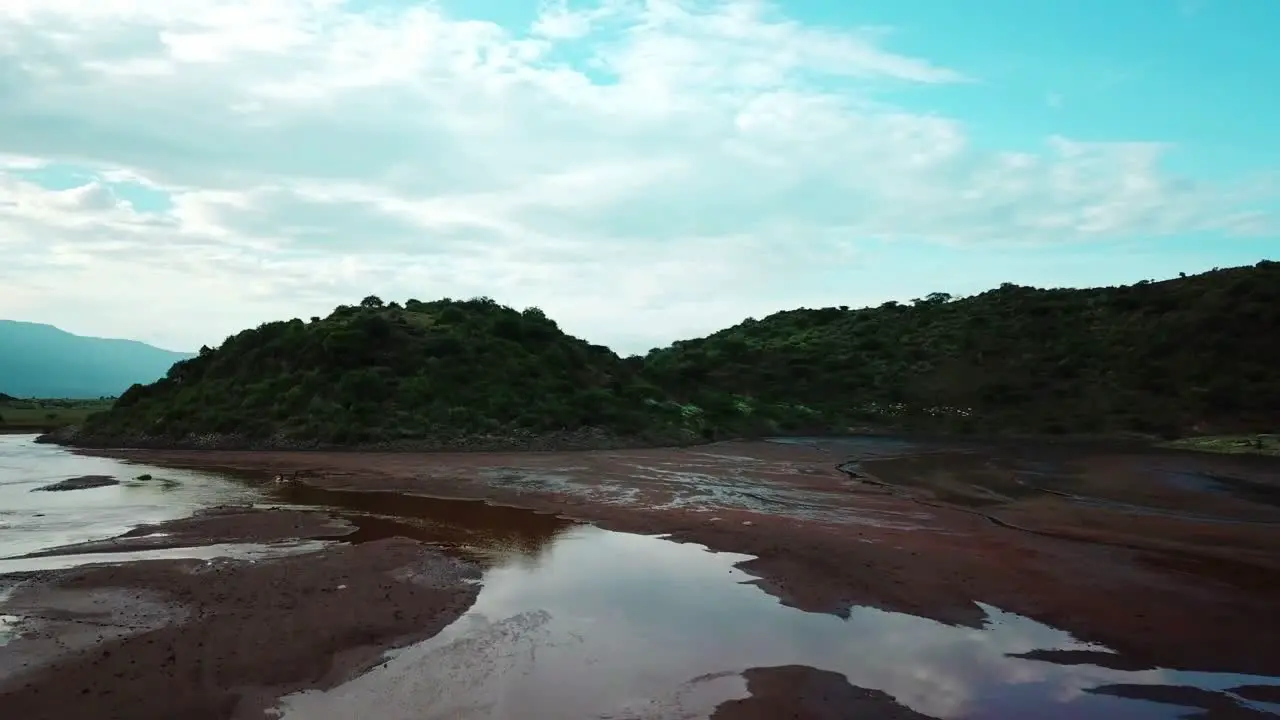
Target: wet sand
[224,638]
[216,525]
[803,693]
[1199,581]
[1171,559]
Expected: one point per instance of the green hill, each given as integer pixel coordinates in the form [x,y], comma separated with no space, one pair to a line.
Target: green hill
[1190,355]
[1187,356]
[45,362]
[440,374]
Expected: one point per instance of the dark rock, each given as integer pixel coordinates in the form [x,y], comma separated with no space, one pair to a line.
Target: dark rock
[84,482]
[61,436]
[1259,693]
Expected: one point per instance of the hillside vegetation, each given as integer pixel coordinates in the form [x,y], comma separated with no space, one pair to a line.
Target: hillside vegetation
[1193,355]
[43,361]
[38,415]
[446,373]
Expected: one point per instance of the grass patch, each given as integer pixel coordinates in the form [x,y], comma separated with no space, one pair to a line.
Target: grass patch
[1264,444]
[37,414]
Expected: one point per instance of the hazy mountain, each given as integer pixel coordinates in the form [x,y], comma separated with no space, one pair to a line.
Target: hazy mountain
[42,361]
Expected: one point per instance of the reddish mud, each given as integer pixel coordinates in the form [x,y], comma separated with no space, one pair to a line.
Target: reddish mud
[1215,706]
[1261,693]
[220,639]
[802,693]
[213,526]
[1171,559]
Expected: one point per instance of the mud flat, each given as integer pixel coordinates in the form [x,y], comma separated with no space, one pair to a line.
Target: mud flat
[914,580]
[220,638]
[1170,558]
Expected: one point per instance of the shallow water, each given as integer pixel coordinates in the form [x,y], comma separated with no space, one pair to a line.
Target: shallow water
[8,623]
[611,625]
[32,521]
[472,527]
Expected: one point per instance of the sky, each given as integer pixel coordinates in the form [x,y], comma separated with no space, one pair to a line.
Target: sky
[642,170]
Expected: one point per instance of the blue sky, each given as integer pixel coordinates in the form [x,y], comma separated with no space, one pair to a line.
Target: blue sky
[643,170]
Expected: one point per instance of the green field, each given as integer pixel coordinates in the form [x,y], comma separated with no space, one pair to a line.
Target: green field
[1231,444]
[41,414]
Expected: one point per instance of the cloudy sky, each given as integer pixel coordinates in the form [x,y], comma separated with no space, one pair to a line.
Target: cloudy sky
[642,170]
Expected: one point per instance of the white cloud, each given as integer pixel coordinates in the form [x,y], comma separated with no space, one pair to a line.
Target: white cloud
[642,170]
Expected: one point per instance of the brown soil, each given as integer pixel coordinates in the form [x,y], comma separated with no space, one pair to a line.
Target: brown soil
[216,525]
[223,639]
[795,692]
[1214,706]
[1261,693]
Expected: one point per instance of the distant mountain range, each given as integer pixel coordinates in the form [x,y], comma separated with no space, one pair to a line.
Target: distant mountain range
[43,361]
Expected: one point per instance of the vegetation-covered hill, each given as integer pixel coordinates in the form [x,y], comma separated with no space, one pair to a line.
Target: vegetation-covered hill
[1194,354]
[1190,355]
[41,361]
[448,373]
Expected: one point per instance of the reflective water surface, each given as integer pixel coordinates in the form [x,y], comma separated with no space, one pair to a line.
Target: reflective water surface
[472,527]
[610,625]
[32,521]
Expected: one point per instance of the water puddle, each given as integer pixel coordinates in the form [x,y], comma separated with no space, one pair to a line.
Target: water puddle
[611,625]
[469,526]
